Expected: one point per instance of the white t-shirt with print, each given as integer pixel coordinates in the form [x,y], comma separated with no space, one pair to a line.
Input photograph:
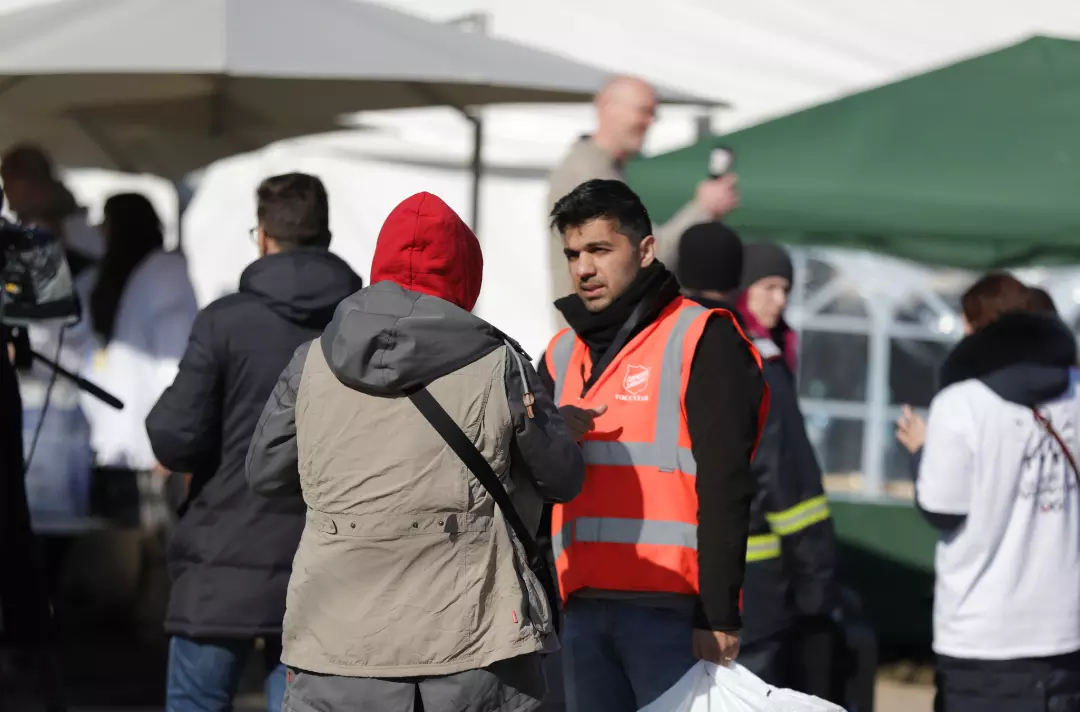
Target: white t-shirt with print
[1008,580]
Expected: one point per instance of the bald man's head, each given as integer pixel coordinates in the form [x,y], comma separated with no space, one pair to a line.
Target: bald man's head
[625,109]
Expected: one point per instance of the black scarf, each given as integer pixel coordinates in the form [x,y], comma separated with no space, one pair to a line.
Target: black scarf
[598,329]
[1021,337]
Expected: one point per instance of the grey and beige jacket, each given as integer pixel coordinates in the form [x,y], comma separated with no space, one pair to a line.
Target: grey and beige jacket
[406,566]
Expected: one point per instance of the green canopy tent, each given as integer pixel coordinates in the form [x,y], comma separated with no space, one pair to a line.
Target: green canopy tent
[974,165]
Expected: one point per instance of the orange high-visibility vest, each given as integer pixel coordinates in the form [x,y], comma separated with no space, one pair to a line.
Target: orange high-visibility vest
[634,525]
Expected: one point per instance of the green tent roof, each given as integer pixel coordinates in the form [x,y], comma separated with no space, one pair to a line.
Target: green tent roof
[974,165]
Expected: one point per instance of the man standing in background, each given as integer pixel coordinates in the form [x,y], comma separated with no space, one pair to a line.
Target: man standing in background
[29,678]
[625,109]
[710,265]
[39,198]
[232,550]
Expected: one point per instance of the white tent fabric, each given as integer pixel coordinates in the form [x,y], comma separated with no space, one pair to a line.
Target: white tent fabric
[166,87]
[767,58]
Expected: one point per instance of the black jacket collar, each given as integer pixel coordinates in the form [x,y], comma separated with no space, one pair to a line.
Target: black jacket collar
[303,285]
[1025,358]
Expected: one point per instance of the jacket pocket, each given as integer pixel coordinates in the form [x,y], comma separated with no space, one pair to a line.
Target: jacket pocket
[539,608]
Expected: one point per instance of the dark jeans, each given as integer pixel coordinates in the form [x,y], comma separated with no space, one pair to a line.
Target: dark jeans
[619,656]
[1024,685]
[769,658]
[817,649]
[205,673]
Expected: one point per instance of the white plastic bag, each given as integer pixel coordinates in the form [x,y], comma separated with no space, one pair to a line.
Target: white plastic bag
[711,688]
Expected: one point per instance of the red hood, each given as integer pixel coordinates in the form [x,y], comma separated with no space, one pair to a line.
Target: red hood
[425,247]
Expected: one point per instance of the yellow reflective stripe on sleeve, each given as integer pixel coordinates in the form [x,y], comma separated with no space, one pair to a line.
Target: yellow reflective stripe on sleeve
[762,547]
[800,516]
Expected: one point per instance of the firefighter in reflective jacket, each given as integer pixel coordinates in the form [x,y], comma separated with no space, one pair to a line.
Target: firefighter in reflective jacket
[667,399]
[789,638]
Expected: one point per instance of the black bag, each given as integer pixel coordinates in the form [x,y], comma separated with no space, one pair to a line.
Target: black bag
[459,442]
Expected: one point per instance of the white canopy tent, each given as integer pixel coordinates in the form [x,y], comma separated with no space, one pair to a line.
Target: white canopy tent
[167,87]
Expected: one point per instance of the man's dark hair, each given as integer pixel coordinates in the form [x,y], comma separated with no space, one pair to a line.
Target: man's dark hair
[293,210]
[603,199]
[1041,301]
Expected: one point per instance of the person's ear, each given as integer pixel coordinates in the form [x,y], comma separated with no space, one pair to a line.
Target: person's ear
[263,243]
[647,251]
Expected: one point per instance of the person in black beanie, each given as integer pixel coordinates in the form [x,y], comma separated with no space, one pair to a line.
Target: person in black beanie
[791,601]
[710,264]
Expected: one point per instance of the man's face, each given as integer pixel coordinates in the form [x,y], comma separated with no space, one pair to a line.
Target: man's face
[602,262]
[629,112]
[767,298]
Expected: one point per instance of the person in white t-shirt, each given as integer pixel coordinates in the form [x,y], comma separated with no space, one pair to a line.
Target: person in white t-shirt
[998,479]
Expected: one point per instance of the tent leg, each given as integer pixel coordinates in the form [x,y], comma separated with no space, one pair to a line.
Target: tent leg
[877,401]
[184,193]
[477,167]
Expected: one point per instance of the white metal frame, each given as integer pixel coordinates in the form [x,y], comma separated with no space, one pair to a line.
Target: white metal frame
[884,284]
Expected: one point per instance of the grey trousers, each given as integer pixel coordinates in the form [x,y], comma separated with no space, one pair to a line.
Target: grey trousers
[514,685]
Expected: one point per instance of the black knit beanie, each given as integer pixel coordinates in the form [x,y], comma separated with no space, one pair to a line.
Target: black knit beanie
[710,258]
[765,259]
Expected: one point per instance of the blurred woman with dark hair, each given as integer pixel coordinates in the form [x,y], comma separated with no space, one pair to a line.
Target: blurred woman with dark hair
[141,310]
[132,232]
[998,479]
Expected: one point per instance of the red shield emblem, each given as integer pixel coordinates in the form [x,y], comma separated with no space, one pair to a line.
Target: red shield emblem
[636,380]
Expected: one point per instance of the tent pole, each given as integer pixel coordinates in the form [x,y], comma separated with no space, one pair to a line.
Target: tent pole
[703,123]
[184,194]
[877,399]
[475,22]
[477,122]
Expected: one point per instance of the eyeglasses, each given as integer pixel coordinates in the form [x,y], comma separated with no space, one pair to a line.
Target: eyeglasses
[253,233]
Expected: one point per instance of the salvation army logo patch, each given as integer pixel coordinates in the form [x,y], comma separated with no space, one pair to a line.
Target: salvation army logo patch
[636,381]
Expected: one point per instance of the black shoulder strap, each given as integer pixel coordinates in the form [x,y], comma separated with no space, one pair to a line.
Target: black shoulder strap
[618,342]
[1052,432]
[459,442]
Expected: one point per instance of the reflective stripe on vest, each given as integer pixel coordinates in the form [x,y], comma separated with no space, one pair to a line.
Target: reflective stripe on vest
[802,515]
[560,356]
[610,452]
[636,531]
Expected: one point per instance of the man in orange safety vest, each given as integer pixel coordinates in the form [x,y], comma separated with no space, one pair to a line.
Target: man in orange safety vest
[668,401]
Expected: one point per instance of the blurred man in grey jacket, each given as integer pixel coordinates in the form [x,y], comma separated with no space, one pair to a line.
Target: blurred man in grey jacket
[625,109]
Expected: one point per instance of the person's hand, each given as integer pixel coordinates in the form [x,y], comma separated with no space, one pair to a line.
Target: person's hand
[911,430]
[581,420]
[160,470]
[714,646]
[718,196]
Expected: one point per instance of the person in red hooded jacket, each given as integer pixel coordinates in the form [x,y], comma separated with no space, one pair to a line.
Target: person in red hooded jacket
[411,589]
